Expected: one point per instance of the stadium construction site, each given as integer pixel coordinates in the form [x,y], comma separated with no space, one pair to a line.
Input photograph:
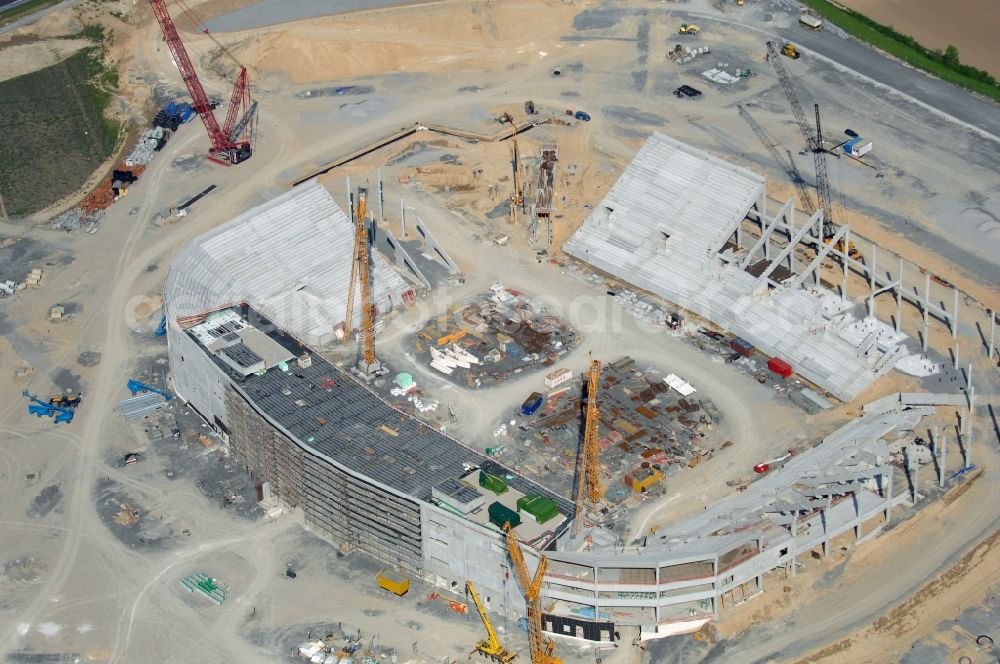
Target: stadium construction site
[421,339]
[694,248]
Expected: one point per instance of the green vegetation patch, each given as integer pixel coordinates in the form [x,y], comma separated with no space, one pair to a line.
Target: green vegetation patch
[53,132]
[945,65]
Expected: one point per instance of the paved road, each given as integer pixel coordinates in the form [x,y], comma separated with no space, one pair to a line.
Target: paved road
[946,97]
[31,18]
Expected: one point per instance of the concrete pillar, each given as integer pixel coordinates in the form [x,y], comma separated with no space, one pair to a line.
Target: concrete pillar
[942,457]
[993,327]
[826,526]
[927,300]
[350,198]
[954,313]
[956,353]
[871,280]
[791,545]
[402,219]
[847,243]
[715,587]
[888,492]
[899,297]
[381,212]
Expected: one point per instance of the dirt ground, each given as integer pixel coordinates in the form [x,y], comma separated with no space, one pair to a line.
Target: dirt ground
[971,26]
[21,59]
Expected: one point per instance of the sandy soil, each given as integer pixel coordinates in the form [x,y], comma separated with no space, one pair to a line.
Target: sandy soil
[21,59]
[972,26]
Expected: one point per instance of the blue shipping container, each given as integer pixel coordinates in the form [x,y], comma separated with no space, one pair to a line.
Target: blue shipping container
[531,404]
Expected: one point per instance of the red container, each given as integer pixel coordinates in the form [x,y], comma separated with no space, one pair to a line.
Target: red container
[780,367]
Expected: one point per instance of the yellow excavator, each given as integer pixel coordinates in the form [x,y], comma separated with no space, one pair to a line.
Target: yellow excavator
[688,29]
[491,647]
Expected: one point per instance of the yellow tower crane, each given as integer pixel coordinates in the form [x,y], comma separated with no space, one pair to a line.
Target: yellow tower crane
[491,647]
[542,649]
[360,271]
[517,200]
[589,476]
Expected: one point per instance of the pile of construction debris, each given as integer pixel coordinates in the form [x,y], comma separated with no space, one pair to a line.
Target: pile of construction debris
[502,334]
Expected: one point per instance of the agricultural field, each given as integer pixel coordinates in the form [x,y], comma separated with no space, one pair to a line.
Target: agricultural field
[54,133]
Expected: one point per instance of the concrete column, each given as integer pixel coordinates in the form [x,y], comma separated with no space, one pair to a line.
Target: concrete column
[381,212]
[993,327]
[871,281]
[970,390]
[967,439]
[791,545]
[350,199]
[888,492]
[943,457]
[826,526]
[847,243]
[715,587]
[402,219]
[954,313]
[927,300]
[956,353]
[899,297]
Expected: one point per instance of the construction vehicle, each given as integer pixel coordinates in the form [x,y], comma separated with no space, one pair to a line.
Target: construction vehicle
[791,51]
[361,272]
[135,387]
[767,466]
[517,199]
[39,408]
[542,649]
[161,329]
[688,29]
[491,647]
[63,401]
[232,142]
[814,140]
[850,249]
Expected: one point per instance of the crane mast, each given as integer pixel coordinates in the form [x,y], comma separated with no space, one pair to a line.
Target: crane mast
[814,140]
[588,485]
[491,647]
[361,274]
[542,649]
[225,147]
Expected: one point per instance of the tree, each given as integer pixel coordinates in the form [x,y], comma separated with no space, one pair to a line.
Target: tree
[951,56]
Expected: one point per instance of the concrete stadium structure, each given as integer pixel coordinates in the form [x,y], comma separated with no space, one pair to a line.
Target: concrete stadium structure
[244,354]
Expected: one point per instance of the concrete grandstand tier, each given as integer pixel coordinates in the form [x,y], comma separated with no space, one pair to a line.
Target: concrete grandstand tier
[290,258]
[672,225]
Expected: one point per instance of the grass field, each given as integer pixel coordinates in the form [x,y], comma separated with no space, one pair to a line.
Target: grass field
[53,132]
[875,34]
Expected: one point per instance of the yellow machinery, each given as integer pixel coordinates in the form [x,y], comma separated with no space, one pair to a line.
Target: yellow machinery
[851,251]
[688,29]
[491,647]
[360,272]
[450,338]
[542,649]
[589,479]
[790,50]
[396,584]
[518,199]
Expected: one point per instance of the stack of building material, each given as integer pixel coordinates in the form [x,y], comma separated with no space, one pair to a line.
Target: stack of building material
[211,588]
[34,277]
[140,406]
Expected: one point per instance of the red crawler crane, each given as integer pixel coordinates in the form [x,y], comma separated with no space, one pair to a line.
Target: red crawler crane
[231,143]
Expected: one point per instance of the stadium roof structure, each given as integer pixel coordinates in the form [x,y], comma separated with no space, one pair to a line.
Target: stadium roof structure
[290,258]
[670,225]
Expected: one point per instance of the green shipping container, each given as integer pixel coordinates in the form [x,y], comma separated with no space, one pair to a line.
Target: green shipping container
[539,507]
[501,515]
[495,484]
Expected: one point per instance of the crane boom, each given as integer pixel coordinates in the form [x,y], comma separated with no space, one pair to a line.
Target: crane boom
[491,647]
[588,486]
[232,151]
[359,215]
[542,649]
[814,139]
